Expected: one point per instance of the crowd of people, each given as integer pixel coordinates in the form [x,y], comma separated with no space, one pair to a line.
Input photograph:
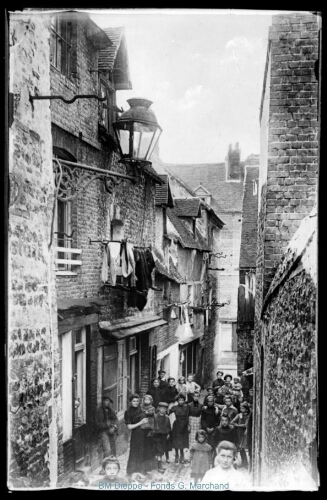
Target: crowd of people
[170,419]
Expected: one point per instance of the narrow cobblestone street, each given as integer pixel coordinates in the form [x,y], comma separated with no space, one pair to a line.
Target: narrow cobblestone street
[175,477]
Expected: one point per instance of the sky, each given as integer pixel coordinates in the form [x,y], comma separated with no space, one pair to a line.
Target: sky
[203,70]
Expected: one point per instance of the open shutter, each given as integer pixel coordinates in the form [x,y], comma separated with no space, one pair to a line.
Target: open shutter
[110,369]
[234,337]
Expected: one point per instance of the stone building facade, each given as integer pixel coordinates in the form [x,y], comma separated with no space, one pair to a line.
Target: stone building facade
[284,430]
[32,335]
[221,185]
[63,347]
[246,290]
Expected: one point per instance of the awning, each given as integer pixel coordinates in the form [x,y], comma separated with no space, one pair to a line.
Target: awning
[121,329]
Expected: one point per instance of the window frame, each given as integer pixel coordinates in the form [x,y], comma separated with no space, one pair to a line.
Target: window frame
[107,116]
[61,44]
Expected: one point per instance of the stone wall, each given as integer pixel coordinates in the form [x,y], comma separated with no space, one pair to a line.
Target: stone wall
[289,394]
[32,325]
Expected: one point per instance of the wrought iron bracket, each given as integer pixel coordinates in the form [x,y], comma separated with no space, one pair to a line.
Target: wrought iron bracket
[78,96]
[71,179]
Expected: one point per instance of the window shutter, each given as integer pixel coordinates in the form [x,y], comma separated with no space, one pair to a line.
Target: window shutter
[234,337]
[110,369]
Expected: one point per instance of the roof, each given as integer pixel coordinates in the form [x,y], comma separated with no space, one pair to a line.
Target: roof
[186,238]
[214,217]
[149,170]
[120,329]
[248,250]
[163,192]
[188,207]
[115,58]
[172,274]
[227,196]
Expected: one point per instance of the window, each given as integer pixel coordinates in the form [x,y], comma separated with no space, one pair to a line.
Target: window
[67,253]
[63,233]
[107,115]
[80,378]
[61,44]
[189,358]
[115,374]
[66,385]
[226,336]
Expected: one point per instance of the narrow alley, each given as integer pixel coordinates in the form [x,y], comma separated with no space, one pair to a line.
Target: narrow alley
[161,251]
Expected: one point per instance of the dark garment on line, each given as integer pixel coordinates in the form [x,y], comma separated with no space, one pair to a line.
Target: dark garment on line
[141,452]
[179,435]
[144,265]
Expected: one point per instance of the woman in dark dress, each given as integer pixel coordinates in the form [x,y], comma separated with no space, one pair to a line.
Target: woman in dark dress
[141,453]
[179,435]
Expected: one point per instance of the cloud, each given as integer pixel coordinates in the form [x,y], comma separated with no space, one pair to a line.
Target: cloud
[193,91]
[243,44]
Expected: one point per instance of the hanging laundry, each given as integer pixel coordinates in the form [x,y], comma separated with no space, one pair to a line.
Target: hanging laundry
[173,314]
[104,267]
[114,261]
[127,261]
[184,332]
[206,317]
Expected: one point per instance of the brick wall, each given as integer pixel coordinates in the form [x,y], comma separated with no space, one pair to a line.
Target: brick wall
[32,327]
[284,420]
[292,141]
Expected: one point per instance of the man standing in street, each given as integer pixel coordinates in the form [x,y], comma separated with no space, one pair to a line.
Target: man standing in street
[106,422]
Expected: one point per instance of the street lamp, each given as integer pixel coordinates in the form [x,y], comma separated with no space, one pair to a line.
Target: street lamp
[137,132]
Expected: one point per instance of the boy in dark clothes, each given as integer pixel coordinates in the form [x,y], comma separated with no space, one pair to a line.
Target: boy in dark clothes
[210,418]
[162,380]
[225,432]
[106,423]
[162,429]
[218,382]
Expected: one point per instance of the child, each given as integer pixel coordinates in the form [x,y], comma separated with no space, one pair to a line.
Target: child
[210,418]
[224,471]
[162,429]
[155,392]
[162,379]
[181,386]
[225,432]
[148,410]
[228,408]
[194,418]
[78,479]
[168,395]
[219,395]
[219,380]
[111,467]
[200,453]
[240,423]
[180,430]
[210,392]
[191,387]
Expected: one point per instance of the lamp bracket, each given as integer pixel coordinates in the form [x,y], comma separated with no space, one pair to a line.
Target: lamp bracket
[73,178]
[78,96]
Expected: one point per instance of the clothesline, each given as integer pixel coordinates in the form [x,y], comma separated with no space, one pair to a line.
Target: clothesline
[104,242]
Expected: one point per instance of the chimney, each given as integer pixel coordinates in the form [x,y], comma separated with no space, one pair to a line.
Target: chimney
[233,163]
